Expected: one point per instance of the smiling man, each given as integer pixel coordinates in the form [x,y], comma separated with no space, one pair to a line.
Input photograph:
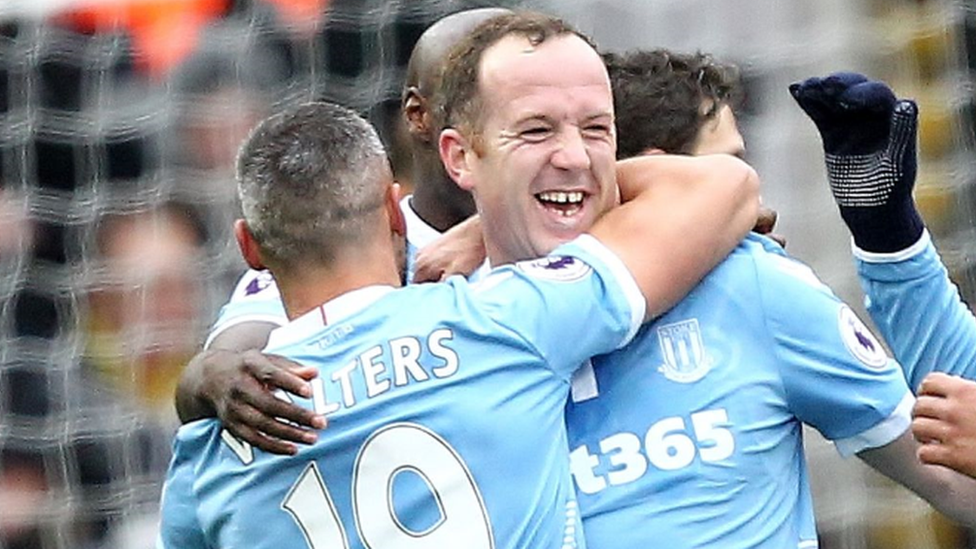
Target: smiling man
[532,141]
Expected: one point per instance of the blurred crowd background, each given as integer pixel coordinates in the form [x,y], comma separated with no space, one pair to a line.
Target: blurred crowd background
[119,122]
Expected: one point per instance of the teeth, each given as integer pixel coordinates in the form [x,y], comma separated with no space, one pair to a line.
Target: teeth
[560,197]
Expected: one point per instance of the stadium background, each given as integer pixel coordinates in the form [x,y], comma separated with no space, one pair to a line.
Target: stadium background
[118,125]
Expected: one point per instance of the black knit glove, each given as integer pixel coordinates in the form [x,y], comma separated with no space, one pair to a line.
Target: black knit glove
[869,139]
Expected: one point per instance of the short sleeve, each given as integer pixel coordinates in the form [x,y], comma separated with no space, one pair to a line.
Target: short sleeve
[837,375]
[255,299]
[575,303]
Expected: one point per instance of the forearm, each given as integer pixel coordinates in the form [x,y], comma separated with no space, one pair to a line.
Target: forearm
[951,493]
[919,312]
[707,204]
[190,399]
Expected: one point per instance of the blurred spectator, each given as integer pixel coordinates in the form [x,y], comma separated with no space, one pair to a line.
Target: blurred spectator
[222,90]
[162,31]
[23,495]
[15,228]
[144,319]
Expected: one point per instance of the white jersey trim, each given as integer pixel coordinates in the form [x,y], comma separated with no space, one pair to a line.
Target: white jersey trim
[419,233]
[881,434]
[330,312]
[893,257]
[638,305]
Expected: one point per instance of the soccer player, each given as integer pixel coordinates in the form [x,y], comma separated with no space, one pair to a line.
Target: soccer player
[230,378]
[447,399]
[693,432]
[869,140]
[695,352]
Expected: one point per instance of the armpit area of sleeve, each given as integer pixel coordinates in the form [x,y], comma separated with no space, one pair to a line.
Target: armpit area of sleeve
[882,433]
[237,320]
[625,280]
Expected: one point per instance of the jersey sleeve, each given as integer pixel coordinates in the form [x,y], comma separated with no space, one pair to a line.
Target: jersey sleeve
[255,299]
[836,374]
[578,302]
[179,527]
[918,311]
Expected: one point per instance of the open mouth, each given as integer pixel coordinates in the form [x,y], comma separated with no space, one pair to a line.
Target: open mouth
[565,203]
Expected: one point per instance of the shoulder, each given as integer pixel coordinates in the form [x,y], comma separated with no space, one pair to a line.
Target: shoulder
[774,265]
[255,284]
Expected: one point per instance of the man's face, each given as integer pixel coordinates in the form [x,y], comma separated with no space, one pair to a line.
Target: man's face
[543,170]
[720,135]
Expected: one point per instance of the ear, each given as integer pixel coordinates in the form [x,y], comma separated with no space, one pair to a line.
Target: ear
[248,246]
[454,149]
[398,223]
[416,113]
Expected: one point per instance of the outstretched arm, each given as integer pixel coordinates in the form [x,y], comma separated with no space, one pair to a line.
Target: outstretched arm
[869,144]
[947,491]
[461,250]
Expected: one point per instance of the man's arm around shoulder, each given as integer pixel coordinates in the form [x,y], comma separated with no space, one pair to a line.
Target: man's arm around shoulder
[680,217]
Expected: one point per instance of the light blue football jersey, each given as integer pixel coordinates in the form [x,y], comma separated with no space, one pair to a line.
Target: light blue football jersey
[256,297]
[918,311]
[445,405]
[691,436]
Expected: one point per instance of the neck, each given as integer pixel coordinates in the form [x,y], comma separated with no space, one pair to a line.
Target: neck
[311,286]
[496,258]
[437,200]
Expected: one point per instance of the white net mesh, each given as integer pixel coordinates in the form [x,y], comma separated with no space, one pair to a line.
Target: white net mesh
[116,195]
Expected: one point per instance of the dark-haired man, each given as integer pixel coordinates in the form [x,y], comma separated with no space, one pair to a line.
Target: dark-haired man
[693,432]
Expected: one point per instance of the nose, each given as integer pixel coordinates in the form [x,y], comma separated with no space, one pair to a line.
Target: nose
[571,153]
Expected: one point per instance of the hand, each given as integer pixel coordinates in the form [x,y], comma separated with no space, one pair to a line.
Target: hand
[240,389]
[869,139]
[766,223]
[461,250]
[945,422]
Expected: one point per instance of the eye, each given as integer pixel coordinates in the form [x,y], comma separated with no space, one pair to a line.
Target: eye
[535,133]
[596,130]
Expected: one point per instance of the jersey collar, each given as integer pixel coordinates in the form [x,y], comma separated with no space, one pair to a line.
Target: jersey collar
[419,233]
[330,312]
